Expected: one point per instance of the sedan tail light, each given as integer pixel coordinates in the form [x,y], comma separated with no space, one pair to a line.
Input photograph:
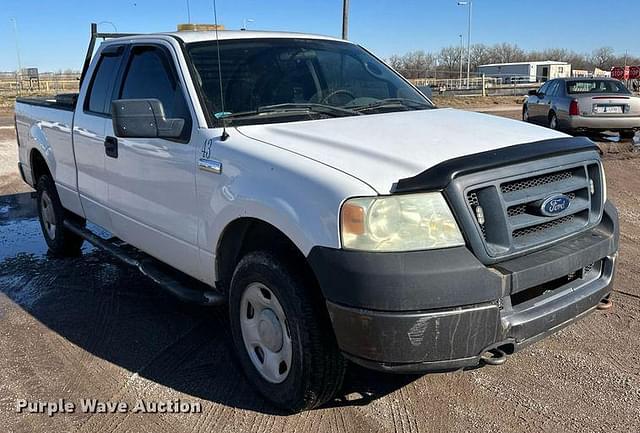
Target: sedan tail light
[574,108]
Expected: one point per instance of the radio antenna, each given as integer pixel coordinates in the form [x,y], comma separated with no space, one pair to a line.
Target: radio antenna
[225,135]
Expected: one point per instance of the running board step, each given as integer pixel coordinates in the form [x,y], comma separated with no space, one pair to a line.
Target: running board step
[150,269]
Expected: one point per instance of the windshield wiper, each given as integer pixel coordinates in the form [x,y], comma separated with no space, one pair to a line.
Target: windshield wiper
[395,102]
[293,108]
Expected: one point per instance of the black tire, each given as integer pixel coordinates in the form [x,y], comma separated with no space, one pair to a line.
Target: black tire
[52,215]
[525,114]
[627,134]
[317,367]
[553,121]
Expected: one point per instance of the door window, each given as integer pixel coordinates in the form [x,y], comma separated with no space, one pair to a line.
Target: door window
[99,95]
[151,75]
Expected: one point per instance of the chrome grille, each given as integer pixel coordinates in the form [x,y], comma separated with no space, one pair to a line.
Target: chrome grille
[513,221]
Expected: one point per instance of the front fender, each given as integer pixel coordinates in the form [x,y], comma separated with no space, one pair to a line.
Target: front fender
[298,196]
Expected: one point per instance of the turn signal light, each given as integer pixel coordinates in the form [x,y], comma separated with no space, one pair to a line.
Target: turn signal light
[353,219]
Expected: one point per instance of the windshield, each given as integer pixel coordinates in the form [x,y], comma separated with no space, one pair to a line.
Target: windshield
[596,86]
[267,80]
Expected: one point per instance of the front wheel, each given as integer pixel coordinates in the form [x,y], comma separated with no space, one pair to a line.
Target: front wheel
[525,114]
[284,342]
[52,215]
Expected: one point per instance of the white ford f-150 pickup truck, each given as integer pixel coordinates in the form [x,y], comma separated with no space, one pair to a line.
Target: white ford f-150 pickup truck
[337,212]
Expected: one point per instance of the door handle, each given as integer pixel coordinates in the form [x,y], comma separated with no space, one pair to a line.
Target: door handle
[210,165]
[111,147]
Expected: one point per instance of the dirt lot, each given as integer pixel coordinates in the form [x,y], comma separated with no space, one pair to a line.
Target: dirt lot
[10,182]
[473,102]
[90,328]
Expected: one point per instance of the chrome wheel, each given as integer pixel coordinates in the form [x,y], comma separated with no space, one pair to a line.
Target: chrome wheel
[265,332]
[48,215]
[553,122]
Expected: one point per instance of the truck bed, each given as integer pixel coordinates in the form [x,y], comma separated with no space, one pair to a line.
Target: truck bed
[44,125]
[62,101]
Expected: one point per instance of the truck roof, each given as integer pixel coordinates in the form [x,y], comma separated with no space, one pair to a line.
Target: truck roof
[198,36]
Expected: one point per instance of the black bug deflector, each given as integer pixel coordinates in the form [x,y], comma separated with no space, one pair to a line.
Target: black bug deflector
[439,176]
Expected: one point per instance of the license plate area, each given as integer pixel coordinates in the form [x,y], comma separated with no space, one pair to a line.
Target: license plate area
[608,109]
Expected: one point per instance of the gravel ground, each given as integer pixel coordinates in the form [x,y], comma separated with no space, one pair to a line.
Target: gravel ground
[10,182]
[88,327]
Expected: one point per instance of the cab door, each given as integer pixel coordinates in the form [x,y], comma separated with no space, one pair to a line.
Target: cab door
[92,116]
[151,188]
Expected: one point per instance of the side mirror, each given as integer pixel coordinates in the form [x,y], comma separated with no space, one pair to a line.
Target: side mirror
[533,92]
[143,118]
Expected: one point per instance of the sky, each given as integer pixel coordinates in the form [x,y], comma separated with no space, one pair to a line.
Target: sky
[53,35]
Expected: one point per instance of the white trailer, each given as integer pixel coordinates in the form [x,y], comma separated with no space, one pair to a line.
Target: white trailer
[526,72]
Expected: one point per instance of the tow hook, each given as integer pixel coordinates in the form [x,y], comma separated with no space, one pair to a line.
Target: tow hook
[494,357]
[605,304]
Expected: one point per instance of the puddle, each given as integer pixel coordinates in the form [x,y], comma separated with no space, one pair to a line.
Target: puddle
[20,232]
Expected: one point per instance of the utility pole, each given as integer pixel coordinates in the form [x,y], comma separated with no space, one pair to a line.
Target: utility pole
[345,19]
[19,70]
[469,45]
[188,13]
[461,54]
[470,4]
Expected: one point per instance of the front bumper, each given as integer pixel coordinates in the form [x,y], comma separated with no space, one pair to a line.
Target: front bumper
[441,310]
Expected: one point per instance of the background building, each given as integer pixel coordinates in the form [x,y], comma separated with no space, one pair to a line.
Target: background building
[526,72]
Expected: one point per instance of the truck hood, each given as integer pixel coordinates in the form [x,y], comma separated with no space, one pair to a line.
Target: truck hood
[381,149]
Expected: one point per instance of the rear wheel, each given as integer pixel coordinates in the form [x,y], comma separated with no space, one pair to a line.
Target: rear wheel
[628,133]
[553,120]
[52,216]
[282,335]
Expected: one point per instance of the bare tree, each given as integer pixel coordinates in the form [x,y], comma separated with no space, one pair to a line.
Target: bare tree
[603,58]
[420,64]
[480,55]
[416,64]
[450,60]
[507,53]
[397,63]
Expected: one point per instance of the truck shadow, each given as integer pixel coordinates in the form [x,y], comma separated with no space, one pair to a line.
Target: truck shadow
[116,314]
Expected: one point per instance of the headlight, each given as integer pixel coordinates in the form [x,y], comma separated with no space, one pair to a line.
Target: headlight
[399,223]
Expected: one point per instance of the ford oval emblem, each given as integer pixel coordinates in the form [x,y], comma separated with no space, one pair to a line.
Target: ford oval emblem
[555,204]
